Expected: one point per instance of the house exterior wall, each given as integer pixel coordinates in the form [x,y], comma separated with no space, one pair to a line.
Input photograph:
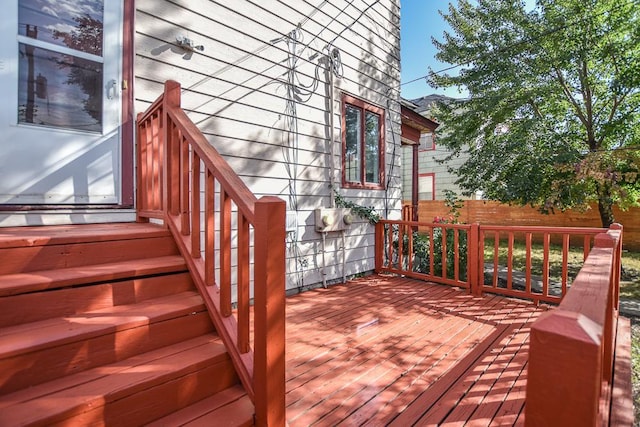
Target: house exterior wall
[428,163]
[260,91]
[429,155]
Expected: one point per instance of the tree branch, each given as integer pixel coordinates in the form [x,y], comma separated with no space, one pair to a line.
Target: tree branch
[569,96]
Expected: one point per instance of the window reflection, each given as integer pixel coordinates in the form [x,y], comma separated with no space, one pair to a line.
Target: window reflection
[59,90]
[372,148]
[56,88]
[352,150]
[71,23]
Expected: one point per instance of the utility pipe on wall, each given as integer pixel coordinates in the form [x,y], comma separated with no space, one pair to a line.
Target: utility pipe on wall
[332,166]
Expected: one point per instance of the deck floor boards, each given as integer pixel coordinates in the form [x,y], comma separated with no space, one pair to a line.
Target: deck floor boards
[396,351]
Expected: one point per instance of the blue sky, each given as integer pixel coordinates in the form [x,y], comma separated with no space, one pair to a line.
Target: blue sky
[419,20]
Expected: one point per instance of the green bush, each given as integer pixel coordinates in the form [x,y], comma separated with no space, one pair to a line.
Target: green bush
[421,256]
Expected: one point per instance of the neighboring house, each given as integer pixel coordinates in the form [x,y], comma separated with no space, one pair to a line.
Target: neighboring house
[416,129]
[302,99]
[434,177]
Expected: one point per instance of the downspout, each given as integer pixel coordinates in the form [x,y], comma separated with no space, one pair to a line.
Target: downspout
[344,257]
[414,184]
[332,166]
[324,261]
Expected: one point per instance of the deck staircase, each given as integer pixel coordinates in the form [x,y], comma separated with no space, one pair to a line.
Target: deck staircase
[102,325]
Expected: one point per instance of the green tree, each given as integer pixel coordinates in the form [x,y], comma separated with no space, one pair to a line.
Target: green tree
[553,114]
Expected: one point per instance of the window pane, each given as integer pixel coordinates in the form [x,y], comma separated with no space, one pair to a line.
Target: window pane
[76,24]
[352,162]
[426,141]
[425,187]
[59,90]
[372,148]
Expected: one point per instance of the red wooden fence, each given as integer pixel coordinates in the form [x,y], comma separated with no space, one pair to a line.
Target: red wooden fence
[488,212]
[180,177]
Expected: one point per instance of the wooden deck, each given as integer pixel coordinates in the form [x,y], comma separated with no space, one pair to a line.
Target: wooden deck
[397,351]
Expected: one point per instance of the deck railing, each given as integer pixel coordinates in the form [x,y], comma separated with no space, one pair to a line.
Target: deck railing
[426,251]
[496,260]
[481,258]
[574,345]
[571,355]
[222,230]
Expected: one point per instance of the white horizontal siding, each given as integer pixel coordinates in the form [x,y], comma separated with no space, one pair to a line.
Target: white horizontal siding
[236,91]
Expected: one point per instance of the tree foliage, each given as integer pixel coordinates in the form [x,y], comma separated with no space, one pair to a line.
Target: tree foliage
[553,116]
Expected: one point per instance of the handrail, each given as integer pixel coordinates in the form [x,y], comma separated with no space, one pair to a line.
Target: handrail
[571,352]
[220,240]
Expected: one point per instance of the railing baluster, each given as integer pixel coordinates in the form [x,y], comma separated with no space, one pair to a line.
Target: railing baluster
[390,245]
[154,181]
[474,265]
[195,207]
[225,253]
[400,246]
[456,255]
[184,190]
[546,240]
[149,170]
[432,265]
[528,263]
[510,260]
[410,249]
[444,252]
[143,138]
[210,229]
[496,258]
[243,284]
[565,263]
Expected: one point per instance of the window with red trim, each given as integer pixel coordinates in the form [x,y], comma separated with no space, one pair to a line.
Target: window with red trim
[427,186]
[427,141]
[362,144]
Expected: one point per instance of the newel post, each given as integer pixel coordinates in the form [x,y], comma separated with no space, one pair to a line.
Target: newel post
[269,310]
[571,347]
[141,199]
[475,265]
[170,150]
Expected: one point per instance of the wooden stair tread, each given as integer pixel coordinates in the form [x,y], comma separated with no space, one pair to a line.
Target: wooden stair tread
[62,398]
[231,407]
[36,335]
[13,284]
[11,237]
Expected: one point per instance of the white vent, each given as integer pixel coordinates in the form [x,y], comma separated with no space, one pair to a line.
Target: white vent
[291,223]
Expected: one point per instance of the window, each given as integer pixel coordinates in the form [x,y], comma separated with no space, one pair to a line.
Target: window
[427,141]
[426,186]
[60,64]
[363,146]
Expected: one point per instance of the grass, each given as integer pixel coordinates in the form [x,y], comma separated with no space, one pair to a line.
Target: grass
[630,286]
